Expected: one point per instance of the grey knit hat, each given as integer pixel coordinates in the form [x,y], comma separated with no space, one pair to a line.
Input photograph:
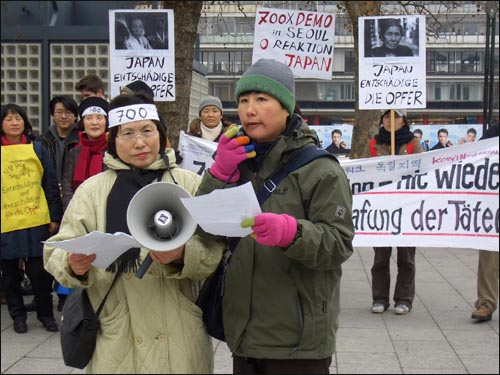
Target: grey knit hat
[270,77]
[210,100]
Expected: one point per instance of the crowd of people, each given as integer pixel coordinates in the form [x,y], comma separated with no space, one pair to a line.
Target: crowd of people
[281,299]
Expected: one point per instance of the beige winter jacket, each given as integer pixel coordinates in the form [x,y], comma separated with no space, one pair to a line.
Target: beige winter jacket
[149,325]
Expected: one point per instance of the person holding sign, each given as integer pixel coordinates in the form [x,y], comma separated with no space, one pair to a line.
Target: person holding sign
[487,269]
[404,292]
[85,160]
[31,212]
[281,296]
[151,324]
[391,32]
[210,125]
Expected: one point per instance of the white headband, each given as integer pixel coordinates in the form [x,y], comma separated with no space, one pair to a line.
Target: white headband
[131,113]
[94,111]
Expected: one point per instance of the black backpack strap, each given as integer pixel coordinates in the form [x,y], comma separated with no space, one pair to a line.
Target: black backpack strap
[298,159]
[37,145]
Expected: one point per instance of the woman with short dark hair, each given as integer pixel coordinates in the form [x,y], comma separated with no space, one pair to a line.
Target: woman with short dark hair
[29,184]
[151,324]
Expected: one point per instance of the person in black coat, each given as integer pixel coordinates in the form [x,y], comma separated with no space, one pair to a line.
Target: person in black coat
[35,189]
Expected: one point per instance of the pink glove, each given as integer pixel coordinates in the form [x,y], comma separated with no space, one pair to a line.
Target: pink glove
[230,153]
[273,229]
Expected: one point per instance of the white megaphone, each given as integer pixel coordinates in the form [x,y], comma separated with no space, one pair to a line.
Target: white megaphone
[158,220]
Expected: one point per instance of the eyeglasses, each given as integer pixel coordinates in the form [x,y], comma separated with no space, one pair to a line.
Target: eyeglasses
[130,136]
[60,113]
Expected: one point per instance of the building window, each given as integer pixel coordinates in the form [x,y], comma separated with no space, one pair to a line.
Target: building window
[455,62]
[470,62]
[349,62]
[226,62]
[223,90]
[346,91]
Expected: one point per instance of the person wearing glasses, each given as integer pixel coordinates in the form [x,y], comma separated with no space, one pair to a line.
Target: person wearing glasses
[60,138]
[150,324]
[62,135]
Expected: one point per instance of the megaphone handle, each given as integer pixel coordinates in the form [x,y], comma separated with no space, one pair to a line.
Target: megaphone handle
[144,267]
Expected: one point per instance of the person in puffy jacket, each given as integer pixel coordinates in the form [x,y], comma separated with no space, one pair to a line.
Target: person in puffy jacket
[281,300]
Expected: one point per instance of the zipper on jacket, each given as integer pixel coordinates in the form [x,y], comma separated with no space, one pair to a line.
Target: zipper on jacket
[225,264]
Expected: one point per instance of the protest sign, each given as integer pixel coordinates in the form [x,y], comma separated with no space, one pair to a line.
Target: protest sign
[142,48]
[196,153]
[392,70]
[302,40]
[23,200]
[442,198]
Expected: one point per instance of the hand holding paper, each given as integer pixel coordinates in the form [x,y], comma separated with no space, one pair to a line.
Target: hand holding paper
[80,263]
[272,229]
[107,247]
[222,211]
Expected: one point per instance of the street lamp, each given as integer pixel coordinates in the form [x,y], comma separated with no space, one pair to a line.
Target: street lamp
[489,61]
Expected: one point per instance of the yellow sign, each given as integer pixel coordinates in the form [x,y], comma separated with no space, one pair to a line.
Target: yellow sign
[23,200]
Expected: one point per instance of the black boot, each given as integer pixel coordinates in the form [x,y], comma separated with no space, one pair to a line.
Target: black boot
[31,306]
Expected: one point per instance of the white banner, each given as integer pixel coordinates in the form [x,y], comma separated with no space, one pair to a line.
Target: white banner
[141,47]
[392,62]
[301,39]
[442,198]
[196,153]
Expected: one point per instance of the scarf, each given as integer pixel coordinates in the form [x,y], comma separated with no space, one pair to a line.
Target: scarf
[128,182]
[402,137]
[210,134]
[89,161]
[6,142]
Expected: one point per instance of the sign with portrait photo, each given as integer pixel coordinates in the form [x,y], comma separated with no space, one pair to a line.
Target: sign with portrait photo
[392,73]
[142,48]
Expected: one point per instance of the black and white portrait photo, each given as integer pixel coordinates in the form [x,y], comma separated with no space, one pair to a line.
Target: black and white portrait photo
[140,31]
[396,36]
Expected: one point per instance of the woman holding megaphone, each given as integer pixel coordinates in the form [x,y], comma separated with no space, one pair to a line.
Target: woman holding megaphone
[149,324]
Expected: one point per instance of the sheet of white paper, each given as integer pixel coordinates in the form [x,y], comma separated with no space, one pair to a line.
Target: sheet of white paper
[106,246]
[222,211]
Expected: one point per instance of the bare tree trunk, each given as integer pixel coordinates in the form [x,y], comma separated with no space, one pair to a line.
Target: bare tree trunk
[176,113]
[366,121]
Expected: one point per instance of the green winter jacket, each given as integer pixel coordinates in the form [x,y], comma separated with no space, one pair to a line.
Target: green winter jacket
[283,303]
[149,325]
